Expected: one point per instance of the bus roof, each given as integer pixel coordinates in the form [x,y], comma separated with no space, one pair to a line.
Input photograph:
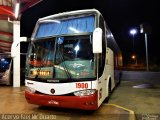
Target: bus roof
[72,13]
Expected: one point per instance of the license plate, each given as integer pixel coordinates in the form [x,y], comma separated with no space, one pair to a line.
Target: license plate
[53,102]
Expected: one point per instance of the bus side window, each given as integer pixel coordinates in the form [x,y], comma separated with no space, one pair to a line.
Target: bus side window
[103,55]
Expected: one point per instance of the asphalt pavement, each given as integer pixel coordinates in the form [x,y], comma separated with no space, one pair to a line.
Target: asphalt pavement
[140,96]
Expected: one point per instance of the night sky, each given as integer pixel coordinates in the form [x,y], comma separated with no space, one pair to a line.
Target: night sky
[120,15]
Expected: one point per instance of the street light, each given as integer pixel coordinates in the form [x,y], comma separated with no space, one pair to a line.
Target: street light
[133,32]
[146,29]
[134,57]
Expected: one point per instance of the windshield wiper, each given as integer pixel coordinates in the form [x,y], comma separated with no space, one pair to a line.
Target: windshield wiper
[64,65]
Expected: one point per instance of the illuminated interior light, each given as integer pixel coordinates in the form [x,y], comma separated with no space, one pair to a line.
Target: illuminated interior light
[76,48]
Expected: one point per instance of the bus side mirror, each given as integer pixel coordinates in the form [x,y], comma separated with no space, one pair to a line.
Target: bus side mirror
[97,40]
[15,44]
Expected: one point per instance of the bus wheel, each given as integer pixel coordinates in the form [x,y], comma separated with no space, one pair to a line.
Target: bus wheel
[119,78]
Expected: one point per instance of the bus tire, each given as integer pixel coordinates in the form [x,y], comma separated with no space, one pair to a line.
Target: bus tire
[119,78]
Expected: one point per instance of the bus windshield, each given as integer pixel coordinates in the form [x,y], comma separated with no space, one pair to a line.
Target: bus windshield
[61,58]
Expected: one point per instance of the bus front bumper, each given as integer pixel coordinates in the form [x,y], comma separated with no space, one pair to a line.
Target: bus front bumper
[76,102]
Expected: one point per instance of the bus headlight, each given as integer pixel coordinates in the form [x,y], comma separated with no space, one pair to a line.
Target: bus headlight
[31,90]
[84,92]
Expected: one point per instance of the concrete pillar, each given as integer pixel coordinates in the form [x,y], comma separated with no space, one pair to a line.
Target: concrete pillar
[16,59]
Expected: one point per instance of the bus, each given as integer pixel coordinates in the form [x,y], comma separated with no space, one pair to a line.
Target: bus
[72,61]
[5,68]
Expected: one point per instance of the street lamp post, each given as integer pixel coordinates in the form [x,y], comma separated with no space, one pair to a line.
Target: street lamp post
[146,51]
[145,28]
[133,32]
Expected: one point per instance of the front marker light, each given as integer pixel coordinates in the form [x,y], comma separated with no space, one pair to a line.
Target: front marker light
[31,90]
[84,92]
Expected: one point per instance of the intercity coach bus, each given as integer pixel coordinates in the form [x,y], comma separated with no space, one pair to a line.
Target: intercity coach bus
[72,62]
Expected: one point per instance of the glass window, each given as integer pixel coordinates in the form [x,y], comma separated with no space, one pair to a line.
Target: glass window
[62,58]
[103,55]
[66,26]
